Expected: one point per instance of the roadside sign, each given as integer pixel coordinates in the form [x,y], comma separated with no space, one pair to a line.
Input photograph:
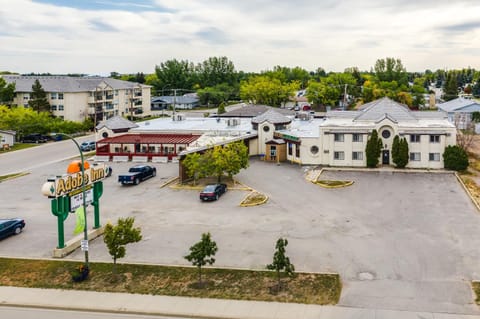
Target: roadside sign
[84,245]
[77,200]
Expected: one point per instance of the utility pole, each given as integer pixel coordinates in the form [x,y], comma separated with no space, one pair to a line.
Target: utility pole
[174,100]
[345,97]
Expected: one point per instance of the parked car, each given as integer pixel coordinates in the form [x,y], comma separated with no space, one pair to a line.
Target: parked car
[213,191]
[34,138]
[136,174]
[87,146]
[13,226]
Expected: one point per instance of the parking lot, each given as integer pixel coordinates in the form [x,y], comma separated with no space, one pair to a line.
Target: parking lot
[399,240]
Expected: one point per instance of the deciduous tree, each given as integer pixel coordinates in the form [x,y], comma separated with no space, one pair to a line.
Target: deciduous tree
[202,253]
[281,263]
[116,237]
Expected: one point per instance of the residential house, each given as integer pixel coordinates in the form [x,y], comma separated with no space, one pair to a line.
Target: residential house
[79,98]
[459,111]
[7,138]
[160,103]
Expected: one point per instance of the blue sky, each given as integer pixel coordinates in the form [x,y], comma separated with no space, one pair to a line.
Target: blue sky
[98,37]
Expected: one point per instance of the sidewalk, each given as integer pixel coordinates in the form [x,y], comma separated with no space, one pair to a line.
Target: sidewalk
[195,307]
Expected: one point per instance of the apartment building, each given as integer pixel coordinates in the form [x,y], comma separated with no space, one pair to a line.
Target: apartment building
[79,98]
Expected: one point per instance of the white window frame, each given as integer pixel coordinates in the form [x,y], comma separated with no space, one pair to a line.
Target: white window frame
[413,156]
[338,137]
[415,138]
[357,156]
[434,157]
[339,156]
[357,137]
[435,139]
[61,107]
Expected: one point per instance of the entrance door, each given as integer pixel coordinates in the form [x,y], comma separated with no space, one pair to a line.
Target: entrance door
[386,157]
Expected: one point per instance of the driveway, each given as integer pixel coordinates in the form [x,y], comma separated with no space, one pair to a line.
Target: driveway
[400,241]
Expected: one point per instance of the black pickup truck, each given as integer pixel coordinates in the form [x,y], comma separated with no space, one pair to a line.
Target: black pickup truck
[136,174]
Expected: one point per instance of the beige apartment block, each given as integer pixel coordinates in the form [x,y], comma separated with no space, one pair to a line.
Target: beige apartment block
[79,98]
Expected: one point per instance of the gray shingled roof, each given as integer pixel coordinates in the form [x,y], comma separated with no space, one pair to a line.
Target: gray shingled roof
[384,107]
[457,104]
[116,123]
[271,116]
[178,99]
[66,83]
[253,110]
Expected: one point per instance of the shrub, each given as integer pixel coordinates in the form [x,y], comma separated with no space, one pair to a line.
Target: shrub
[455,158]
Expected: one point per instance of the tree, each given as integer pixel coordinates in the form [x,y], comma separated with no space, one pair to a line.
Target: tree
[455,158]
[202,253]
[390,69]
[216,70]
[395,149]
[118,236]
[400,152]
[267,90]
[221,108]
[39,100]
[450,89]
[7,91]
[281,263]
[373,149]
[192,165]
[175,74]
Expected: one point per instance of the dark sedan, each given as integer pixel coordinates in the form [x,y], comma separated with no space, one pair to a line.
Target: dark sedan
[12,226]
[213,191]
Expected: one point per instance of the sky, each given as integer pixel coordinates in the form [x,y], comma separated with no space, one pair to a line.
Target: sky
[130,36]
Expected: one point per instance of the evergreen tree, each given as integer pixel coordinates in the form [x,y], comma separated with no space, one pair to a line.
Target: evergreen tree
[221,108]
[402,156]
[455,158]
[395,149]
[39,101]
[450,88]
[373,149]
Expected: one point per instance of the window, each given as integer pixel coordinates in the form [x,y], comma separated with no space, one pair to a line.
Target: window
[357,156]
[434,157]
[60,107]
[356,137]
[53,96]
[386,133]
[54,108]
[266,128]
[314,149]
[415,138]
[434,138]
[297,151]
[26,97]
[60,96]
[338,155]
[338,137]
[290,149]
[415,156]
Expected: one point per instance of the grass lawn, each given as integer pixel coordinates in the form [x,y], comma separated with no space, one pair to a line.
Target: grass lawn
[333,184]
[476,289]
[307,288]
[17,146]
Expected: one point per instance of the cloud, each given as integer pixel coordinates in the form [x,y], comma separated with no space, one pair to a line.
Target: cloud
[462,27]
[213,35]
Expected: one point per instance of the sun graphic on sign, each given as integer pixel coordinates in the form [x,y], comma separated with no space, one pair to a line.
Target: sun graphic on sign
[76,166]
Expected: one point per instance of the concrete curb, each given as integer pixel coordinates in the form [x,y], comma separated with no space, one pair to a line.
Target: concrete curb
[465,188]
[254,204]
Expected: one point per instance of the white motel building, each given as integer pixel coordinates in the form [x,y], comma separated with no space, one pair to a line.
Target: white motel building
[339,139]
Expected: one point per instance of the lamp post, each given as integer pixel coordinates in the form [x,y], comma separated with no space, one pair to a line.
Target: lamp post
[84,203]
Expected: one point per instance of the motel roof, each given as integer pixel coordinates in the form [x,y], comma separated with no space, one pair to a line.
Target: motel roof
[150,139]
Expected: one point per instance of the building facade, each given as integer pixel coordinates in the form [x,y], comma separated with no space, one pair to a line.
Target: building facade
[79,98]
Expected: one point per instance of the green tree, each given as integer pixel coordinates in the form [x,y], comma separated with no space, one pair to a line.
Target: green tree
[216,70]
[39,101]
[373,149]
[7,92]
[202,253]
[281,263]
[455,158]
[175,74]
[221,108]
[450,89]
[267,90]
[192,164]
[391,69]
[400,156]
[116,237]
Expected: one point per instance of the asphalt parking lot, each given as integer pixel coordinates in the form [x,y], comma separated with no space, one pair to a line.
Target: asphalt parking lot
[399,240]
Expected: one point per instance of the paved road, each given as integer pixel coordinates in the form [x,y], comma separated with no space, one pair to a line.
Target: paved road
[39,156]
[399,241]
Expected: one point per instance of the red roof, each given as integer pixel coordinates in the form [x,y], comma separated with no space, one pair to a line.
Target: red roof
[150,139]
